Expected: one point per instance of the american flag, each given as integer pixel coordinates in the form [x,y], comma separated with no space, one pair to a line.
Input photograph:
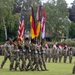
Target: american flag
[21,26]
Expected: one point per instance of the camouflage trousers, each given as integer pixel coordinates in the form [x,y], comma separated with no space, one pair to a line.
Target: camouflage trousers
[70,58]
[43,61]
[65,58]
[17,62]
[30,58]
[4,61]
[36,61]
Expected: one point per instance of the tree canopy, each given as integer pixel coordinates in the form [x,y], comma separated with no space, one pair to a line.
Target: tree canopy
[56,13]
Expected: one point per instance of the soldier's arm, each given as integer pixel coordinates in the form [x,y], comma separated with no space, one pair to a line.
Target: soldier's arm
[5,48]
[12,42]
[6,52]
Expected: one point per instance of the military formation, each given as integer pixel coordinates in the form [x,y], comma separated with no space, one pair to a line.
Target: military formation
[57,54]
[25,56]
[33,55]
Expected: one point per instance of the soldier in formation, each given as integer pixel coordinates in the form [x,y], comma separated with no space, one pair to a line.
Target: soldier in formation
[15,55]
[18,52]
[7,52]
[70,55]
[57,53]
[33,56]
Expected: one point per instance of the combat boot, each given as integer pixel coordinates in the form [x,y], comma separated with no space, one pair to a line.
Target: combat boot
[42,70]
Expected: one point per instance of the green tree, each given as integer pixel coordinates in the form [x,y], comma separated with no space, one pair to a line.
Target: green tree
[72,17]
[56,15]
[10,10]
[72,30]
[10,20]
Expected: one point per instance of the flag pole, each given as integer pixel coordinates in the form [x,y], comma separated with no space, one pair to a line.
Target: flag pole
[5,29]
[39,14]
[40,25]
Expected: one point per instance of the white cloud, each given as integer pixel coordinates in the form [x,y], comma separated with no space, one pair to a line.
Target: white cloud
[69,2]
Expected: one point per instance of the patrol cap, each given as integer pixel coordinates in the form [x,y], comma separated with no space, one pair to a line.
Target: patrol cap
[27,39]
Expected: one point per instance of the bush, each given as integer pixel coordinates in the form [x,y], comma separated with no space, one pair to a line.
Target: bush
[69,42]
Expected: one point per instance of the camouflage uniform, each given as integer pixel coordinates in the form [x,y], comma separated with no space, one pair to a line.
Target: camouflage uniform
[22,56]
[49,54]
[60,55]
[65,54]
[36,59]
[70,55]
[15,57]
[43,57]
[28,55]
[57,55]
[40,58]
[54,55]
[6,48]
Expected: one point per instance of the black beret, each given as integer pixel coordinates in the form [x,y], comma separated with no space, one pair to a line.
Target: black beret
[33,41]
[15,39]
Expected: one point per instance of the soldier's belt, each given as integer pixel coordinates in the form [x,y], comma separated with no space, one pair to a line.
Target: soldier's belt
[40,53]
[29,51]
[18,50]
[44,52]
[24,51]
[36,52]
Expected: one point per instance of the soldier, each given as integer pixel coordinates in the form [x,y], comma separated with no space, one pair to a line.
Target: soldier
[57,55]
[70,55]
[6,48]
[36,58]
[15,55]
[54,54]
[54,51]
[43,52]
[28,54]
[65,54]
[60,52]
[49,54]
[22,56]
[40,57]
[60,55]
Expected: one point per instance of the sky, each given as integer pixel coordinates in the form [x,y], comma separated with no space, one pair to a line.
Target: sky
[68,2]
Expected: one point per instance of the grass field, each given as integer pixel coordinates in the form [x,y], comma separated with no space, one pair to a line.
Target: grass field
[54,69]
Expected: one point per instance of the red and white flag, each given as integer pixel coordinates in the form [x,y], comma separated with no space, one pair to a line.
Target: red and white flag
[60,46]
[46,45]
[43,21]
[66,45]
[55,45]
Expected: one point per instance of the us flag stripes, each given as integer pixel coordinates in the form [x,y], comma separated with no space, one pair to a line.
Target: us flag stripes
[21,26]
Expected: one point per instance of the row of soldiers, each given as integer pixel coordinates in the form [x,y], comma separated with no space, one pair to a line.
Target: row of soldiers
[26,56]
[56,54]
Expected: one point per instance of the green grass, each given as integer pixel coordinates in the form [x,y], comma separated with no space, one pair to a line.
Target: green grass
[54,69]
